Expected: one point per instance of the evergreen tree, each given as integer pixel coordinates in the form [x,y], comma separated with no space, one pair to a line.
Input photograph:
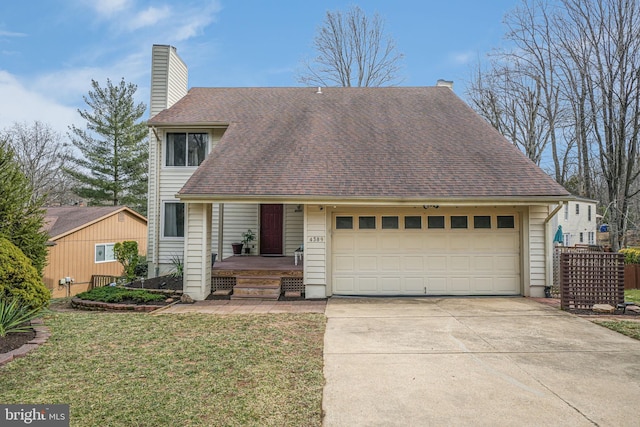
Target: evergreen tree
[21,215]
[113,167]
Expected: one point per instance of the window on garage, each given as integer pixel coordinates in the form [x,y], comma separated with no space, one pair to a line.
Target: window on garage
[435,221]
[367,222]
[412,222]
[344,223]
[458,221]
[390,223]
[482,221]
[506,221]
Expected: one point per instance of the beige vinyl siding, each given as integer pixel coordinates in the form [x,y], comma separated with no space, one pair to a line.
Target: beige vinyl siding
[169,78]
[74,255]
[169,83]
[238,218]
[197,264]
[293,228]
[315,246]
[537,260]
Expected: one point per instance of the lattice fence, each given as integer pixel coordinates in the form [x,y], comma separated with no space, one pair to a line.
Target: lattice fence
[590,278]
[98,281]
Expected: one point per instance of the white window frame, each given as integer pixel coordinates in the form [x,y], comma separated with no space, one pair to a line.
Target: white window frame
[163,218]
[95,253]
[566,211]
[591,238]
[186,133]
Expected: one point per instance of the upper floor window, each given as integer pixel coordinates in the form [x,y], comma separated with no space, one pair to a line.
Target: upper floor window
[577,209]
[588,212]
[566,211]
[186,149]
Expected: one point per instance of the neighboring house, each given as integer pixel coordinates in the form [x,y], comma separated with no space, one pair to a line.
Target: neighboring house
[81,243]
[578,220]
[393,191]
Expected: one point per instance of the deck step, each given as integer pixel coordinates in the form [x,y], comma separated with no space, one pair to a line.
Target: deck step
[257,287]
[222,292]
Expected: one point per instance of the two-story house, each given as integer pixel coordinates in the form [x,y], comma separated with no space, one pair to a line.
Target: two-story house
[578,220]
[392,191]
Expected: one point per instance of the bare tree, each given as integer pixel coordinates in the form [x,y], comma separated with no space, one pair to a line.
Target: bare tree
[352,50]
[583,57]
[41,153]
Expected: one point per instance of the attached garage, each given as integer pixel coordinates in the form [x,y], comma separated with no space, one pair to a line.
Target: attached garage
[419,251]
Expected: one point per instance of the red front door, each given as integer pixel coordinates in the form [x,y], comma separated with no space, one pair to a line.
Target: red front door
[271,217]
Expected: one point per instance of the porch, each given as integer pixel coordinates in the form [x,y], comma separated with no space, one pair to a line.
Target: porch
[257,277]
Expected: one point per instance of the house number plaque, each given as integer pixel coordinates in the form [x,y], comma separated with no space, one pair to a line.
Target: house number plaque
[316,239]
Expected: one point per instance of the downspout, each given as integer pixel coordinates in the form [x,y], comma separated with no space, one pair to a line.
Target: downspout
[156,240]
[220,230]
[547,288]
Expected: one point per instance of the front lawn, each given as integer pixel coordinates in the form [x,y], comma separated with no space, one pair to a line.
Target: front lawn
[175,370]
[625,327]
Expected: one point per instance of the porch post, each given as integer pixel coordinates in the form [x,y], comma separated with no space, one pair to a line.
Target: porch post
[197,250]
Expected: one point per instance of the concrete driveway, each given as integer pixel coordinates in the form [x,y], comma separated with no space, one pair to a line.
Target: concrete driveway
[474,361]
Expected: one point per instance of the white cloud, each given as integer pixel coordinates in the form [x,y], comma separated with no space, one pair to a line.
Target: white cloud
[110,7]
[149,17]
[461,58]
[4,33]
[28,105]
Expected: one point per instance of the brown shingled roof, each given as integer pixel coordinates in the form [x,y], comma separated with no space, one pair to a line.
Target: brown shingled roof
[380,143]
[63,220]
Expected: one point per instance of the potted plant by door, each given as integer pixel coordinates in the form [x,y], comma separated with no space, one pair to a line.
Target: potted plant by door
[237,248]
[248,237]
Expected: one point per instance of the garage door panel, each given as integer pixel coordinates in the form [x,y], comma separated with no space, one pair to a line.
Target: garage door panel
[344,242]
[367,285]
[459,263]
[426,261]
[367,264]
[413,263]
[414,285]
[344,285]
[344,264]
[390,242]
[391,285]
[459,285]
[436,263]
[436,285]
[367,242]
[390,264]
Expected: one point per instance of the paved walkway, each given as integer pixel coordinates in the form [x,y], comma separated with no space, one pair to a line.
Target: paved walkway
[238,307]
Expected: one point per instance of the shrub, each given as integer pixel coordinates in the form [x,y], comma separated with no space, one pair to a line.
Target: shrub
[127,254]
[15,317]
[115,294]
[631,255]
[19,279]
[142,268]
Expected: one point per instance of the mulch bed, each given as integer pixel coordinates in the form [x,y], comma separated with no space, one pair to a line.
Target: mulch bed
[161,282]
[15,340]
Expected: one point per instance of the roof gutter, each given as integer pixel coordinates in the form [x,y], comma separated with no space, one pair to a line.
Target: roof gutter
[554,212]
[323,200]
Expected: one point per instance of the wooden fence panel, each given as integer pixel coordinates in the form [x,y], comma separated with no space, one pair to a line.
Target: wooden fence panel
[590,278]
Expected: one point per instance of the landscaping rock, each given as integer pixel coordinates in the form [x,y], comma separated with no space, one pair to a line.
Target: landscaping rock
[633,308]
[169,300]
[603,308]
[186,299]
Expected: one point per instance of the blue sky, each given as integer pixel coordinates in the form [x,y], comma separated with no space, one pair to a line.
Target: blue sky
[51,49]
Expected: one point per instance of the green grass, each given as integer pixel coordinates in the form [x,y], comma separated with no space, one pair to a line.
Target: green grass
[625,327]
[116,294]
[632,295]
[119,369]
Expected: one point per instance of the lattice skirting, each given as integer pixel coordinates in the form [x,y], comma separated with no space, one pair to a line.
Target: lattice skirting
[222,283]
[294,284]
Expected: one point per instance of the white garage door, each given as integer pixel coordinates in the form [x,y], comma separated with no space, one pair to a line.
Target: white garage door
[426,254]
